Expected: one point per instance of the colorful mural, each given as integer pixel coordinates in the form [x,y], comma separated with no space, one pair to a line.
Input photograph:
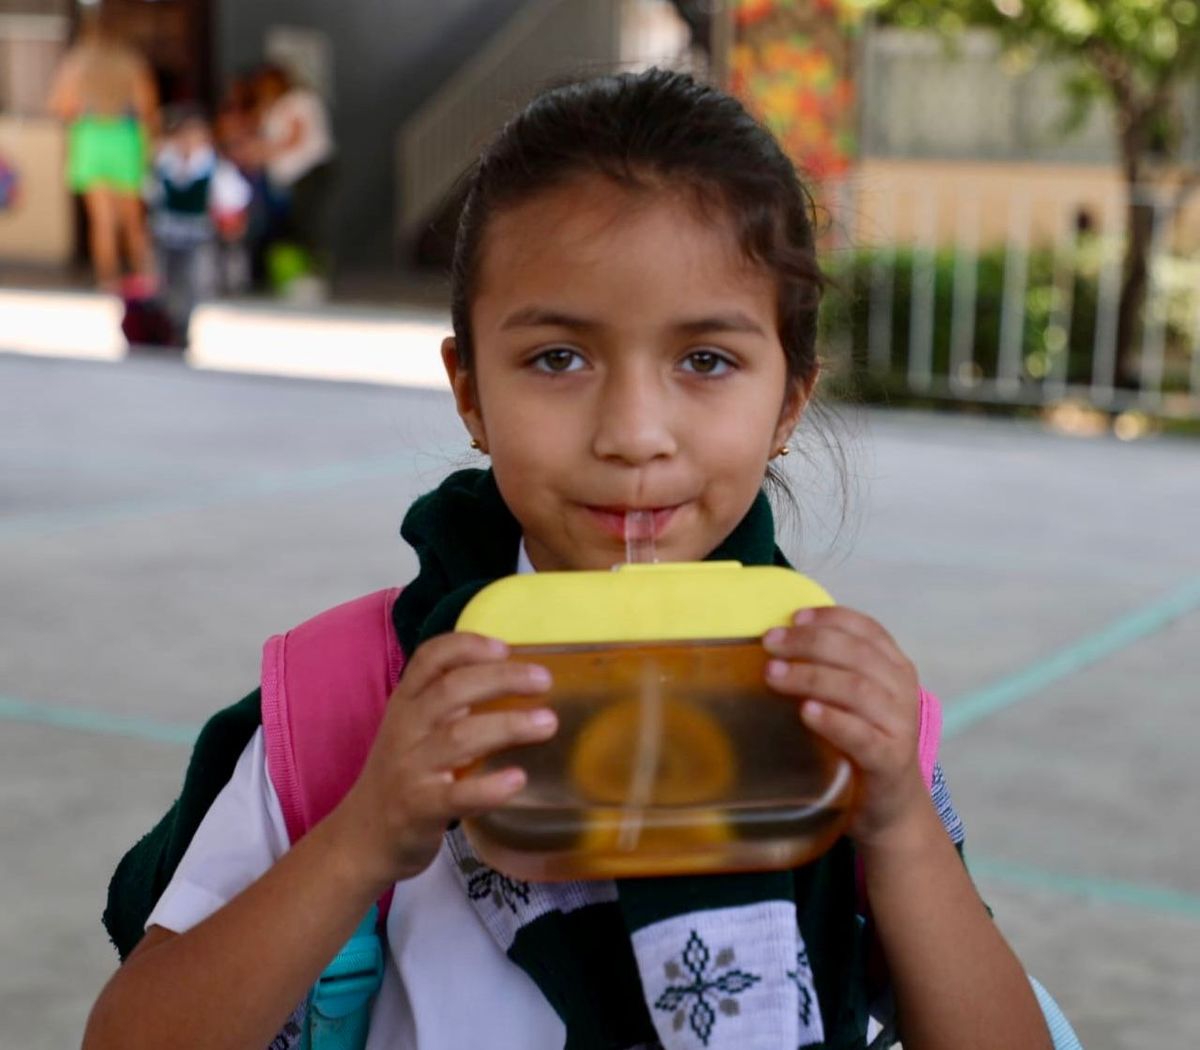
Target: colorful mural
[793,66]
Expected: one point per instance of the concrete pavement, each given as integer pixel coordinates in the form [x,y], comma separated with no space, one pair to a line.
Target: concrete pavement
[157,523]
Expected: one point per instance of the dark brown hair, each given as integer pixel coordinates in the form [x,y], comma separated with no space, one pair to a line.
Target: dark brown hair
[645,130]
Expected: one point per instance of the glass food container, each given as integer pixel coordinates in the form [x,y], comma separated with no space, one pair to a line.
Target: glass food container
[672,756]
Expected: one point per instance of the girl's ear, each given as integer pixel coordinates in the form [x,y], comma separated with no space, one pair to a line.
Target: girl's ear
[796,401]
[463,388]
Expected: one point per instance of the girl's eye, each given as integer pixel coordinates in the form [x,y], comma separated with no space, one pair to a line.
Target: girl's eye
[558,359]
[707,363]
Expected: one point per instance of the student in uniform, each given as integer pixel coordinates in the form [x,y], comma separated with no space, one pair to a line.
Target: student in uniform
[634,308]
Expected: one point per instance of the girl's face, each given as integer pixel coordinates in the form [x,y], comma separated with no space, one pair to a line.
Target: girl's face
[626,357]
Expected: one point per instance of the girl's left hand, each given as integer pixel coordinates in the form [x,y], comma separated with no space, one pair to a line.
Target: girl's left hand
[861,693]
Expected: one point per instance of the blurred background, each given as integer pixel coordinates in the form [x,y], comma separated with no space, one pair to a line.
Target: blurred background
[223,235]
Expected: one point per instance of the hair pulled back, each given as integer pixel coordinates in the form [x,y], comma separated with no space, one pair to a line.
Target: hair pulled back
[645,131]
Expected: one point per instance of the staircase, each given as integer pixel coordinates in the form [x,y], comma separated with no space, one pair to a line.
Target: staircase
[547,41]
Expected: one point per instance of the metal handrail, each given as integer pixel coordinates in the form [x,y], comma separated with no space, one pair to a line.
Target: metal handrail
[546,39]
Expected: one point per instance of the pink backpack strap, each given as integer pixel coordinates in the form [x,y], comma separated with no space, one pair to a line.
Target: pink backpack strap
[929,736]
[325,685]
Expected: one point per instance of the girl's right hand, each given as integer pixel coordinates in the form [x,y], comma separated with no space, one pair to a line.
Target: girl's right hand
[393,819]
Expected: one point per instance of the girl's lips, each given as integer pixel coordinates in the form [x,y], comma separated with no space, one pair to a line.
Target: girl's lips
[611,520]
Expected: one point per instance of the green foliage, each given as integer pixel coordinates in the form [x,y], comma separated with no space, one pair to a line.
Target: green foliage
[1082,87]
[1141,44]
[1133,54]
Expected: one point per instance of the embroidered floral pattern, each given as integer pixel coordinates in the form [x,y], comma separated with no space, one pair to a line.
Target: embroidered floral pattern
[691,1002]
[483,882]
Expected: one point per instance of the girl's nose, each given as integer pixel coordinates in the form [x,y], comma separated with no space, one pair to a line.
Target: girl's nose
[633,419]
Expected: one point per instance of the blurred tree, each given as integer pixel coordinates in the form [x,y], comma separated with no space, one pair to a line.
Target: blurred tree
[1134,56]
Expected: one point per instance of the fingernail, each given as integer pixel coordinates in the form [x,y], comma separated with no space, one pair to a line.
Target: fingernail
[540,676]
[810,710]
[776,668]
[543,718]
[774,637]
[497,647]
[512,778]
[804,616]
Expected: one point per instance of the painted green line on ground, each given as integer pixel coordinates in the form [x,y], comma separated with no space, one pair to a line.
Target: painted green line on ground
[959,716]
[989,700]
[129,726]
[267,484]
[1102,890]
[1106,891]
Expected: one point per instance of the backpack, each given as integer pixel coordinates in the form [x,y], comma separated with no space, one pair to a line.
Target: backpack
[325,686]
[145,321]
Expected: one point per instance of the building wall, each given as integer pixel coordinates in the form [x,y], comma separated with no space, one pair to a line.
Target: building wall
[387,57]
[986,203]
[40,228]
[961,146]
[922,101]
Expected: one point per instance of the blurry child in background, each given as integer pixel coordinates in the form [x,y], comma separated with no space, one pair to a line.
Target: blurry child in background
[236,129]
[198,207]
[296,148]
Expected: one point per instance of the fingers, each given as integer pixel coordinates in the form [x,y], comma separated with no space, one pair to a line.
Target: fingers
[474,795]
[884,759]
[849,733]
[437,798]
[849,662]
[446,652]
[463,741]
[856,625]
[441,733]
[859,692]
[850,690]
[460,688]
[441,796]
[826,645]
[408,786]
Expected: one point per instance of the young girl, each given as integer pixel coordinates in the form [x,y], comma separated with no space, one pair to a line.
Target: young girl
[634,306]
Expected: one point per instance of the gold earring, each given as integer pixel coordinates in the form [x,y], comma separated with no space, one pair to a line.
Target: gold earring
[477,445]
[783,450]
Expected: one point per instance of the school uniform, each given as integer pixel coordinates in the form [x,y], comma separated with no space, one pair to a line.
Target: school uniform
[540,965]
[187,191]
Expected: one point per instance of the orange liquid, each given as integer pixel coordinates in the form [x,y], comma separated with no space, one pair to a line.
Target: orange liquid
[670,758]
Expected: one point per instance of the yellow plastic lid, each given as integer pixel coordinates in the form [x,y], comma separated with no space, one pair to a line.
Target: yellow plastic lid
[641,603]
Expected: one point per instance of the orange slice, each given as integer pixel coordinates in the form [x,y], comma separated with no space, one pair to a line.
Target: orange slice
[673,849]
[696,762]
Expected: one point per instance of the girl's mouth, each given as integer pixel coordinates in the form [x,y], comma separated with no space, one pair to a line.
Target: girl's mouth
[613,520]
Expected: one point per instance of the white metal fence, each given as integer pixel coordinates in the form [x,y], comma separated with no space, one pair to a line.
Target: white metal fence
[1013,298]
[31,46]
